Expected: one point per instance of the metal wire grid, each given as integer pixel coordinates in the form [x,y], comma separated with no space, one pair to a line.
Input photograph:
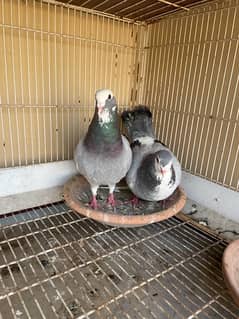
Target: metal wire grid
[192,83]
[53,60]
[143,10]
[55,264]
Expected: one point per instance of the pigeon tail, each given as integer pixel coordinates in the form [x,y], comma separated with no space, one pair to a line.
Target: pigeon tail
[138,123]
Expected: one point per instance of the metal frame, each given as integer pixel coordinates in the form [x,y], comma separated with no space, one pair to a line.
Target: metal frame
[55,263]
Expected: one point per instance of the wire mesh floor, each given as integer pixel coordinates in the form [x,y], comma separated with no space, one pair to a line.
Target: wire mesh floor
[56,264]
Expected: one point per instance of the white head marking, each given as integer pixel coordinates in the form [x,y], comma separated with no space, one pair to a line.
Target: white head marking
[104,117]
[101,96]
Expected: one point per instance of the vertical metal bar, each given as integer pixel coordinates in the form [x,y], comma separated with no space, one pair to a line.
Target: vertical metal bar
[6,71]
[152,49]
[89,20]
[210,86]
[43,84]
[193,98]
[82,72]
[101,45]
[112,77]
[96,24]
[173,107]
[36,92]
[14,89]
[68,84]
[199,111]
[3,137]
[201,101]
[233,134]
[143,52]
[162,80]
[148,49]
[186,103]
[167,104]
[155,102]
[56,86]
[118,60]
[226,88]
[128,62]
[165,76]
[74,80]
[188,64]
[62,87]
[210,157]
[182,70]
[108,74]
[153,70]
[21,84]
[29,80]
[50,71]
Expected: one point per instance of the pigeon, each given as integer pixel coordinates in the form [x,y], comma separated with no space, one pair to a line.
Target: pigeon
[155,172]
[103,156]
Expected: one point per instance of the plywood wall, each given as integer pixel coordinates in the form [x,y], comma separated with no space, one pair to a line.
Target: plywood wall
[52,59]
[192,79]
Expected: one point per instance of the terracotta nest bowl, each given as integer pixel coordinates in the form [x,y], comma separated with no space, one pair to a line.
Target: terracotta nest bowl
[230,268]
[77,195]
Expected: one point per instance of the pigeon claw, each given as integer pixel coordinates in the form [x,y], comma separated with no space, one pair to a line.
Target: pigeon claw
[111,200]
[134,201]
[93,203]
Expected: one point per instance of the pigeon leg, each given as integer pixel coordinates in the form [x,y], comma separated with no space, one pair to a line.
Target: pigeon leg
[134,201]
[111,200]
[93,203]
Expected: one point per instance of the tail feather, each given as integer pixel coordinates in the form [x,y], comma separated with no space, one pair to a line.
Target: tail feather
[138,122]
[138,111]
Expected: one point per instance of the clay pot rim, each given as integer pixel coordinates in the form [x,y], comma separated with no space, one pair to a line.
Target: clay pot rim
[119,219]
[228,262]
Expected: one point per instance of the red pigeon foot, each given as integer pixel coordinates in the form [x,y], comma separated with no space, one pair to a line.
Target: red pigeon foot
[111,200]
[93,203]
[134,201]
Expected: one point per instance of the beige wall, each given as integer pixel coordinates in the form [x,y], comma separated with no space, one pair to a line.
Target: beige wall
[185,68]
[52,58]
[192,84]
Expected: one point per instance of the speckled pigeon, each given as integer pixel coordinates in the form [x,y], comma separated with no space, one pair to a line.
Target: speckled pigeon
[103,156]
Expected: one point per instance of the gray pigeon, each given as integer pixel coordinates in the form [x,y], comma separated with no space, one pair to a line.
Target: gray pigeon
[103,156]
[155,172]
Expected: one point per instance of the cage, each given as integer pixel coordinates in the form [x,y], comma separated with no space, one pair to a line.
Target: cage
[181,59]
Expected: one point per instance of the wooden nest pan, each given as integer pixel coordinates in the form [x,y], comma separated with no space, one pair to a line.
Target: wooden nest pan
[77,195]
[230,267]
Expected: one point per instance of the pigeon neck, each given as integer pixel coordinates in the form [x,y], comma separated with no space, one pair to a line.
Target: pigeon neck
[104,134]
[145,140]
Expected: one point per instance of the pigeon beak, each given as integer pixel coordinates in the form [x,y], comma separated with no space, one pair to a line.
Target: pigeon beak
[100,108]
[162,171]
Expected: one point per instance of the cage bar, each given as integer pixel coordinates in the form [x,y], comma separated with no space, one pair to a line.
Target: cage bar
[75,266]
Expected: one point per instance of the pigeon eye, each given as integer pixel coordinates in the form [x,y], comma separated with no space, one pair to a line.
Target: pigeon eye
[109,97]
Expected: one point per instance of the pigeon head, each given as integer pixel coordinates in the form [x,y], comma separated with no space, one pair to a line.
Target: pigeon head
[163,163]
[106,105]
[138,122]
